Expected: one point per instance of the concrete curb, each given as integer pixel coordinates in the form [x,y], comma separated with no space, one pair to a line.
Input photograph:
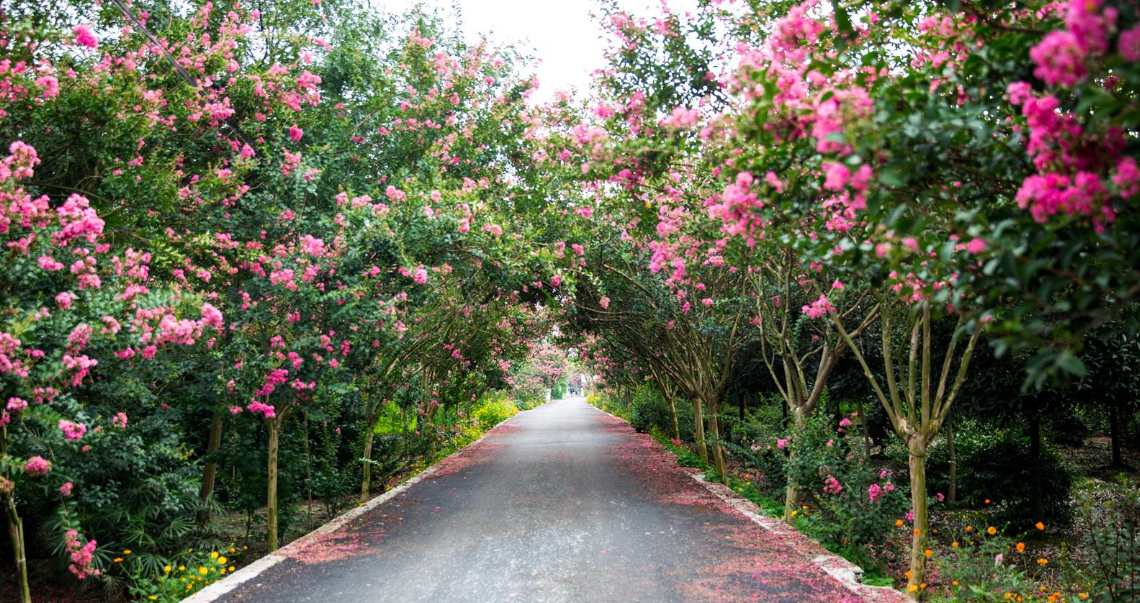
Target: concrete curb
[843,571]
[224,586]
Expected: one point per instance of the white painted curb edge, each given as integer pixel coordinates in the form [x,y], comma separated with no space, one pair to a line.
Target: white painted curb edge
[842,570]
[223,587]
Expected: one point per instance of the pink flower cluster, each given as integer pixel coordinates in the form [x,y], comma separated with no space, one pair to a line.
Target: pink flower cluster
[818,308]
[37,466]
[73,432]
[82,556]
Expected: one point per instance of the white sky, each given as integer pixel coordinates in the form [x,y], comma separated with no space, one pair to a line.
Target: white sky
[558,32]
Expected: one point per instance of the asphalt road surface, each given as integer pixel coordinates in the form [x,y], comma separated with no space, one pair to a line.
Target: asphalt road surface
[562,503]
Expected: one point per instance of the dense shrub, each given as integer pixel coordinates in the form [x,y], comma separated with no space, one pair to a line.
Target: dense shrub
[494,410]
[995,465]
[649,409]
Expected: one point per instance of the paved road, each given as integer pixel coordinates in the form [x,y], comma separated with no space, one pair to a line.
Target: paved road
[562,503]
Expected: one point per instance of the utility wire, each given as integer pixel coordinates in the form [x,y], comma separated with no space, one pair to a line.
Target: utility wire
[189,79]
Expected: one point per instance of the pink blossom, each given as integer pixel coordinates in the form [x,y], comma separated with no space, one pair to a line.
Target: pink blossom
[604,302]
[976,246]
[295,133]
[420,275]
[874,492]
[72,431]
[37,466]
[836,174]
[818,308]
[1129,44]
[65,489]
[1060,59]
[832,485]
[15,405]
[120,420]
[782,443]
[84,37]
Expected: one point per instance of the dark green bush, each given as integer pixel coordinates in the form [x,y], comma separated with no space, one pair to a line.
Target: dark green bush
[996,465]
[650,409]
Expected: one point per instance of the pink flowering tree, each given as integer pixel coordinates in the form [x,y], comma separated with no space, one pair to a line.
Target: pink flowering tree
[70,302]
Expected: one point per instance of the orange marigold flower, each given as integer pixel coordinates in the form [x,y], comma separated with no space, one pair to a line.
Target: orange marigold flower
[1021,547]
[969,528]
[917,532]
[1042,561]
[928,553]
[1040,526]
[954,544]
[898,522]
[991,530]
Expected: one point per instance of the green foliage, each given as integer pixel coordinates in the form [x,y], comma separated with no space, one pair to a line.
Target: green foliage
[493,410]
[995,464]
[1113,537]
[650,410]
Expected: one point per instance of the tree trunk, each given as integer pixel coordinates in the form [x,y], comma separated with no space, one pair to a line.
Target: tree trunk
[673,413]
[917,448]
[699,430]
[210,471]
[1114,422]
[717,449]
[1035,460]
[792,491]
[952,494]
[271,495]
[19,548]
[366,482]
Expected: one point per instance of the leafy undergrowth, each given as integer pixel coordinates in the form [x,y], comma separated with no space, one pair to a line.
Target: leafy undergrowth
[771,507]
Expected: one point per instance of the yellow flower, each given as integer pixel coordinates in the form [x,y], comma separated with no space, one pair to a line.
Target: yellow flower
[166,569]
[1083,596]
[202,570]
[153,598]
[231,549]
[127,552]
[991,530]
[231,568]
[221,560]
[954,583]
[117,560]
[214,555]
[912,588]
[182,568]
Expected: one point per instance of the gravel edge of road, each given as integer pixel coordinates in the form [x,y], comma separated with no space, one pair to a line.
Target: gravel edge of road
[224,586]
[841,570]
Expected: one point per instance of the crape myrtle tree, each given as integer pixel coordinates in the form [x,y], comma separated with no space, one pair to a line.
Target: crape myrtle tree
[965,163]
[306,181]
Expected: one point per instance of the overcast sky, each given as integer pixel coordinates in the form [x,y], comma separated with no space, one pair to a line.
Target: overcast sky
[559,32]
